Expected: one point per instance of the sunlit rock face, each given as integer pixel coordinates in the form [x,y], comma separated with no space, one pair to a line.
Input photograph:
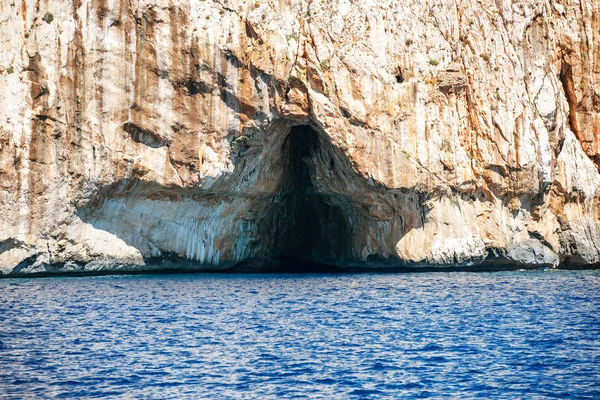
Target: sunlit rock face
[139,135]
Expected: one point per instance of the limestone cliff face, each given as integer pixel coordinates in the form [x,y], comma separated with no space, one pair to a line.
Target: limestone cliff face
[356,133]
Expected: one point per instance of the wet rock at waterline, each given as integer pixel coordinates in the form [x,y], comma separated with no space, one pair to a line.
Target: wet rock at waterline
[248,135]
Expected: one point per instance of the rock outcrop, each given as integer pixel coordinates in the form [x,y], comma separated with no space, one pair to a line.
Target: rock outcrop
[149,134]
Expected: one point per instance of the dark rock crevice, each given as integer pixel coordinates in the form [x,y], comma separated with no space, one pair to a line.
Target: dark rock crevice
[566,77]
[144,136]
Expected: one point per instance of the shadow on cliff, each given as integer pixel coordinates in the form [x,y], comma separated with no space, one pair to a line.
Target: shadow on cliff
[293,203]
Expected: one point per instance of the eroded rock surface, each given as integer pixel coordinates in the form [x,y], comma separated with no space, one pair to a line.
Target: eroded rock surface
[228,133]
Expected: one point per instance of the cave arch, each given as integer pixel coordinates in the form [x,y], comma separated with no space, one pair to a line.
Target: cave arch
[311,225]
[294,202]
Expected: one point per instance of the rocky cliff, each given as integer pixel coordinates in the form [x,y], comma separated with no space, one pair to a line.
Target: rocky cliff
[236,133]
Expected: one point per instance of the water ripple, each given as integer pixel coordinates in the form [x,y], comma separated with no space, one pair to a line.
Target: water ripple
[434,335]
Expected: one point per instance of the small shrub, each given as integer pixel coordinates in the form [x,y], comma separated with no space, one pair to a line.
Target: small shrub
[208,17]
[325,65]
[446,146]
[433,62]
[242,142]
[408,42]
[485,57]
[222,12]
[10,70]
[48,17]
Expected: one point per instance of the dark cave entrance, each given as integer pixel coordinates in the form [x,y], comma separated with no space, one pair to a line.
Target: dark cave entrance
[312,229]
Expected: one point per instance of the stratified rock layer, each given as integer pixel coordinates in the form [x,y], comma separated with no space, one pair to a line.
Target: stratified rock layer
[226,134]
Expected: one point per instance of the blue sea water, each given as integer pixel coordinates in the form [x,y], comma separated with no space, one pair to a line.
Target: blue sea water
[428,335]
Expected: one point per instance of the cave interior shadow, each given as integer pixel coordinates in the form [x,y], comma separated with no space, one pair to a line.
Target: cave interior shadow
[311,230]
